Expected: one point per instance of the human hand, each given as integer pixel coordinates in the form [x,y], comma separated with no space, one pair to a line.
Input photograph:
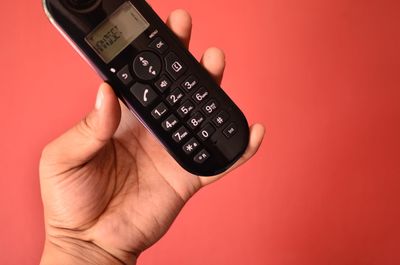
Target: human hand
[109,189]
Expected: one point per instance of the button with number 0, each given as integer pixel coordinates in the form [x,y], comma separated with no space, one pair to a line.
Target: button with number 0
[206,132]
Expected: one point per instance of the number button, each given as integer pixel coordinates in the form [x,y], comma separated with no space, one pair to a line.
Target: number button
[125,76]
[170,123]
[143,93]
[200,95]
[159,45]
[159,111]
[221,118]
[190,83]
[206,132]
[174,97]
[201,157]
[180,134]
[195,120]
[163,84]
[175,67]
[185,109]
[190,146]
[210,107]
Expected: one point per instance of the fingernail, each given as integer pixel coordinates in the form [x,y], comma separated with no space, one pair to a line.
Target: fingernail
[99,99]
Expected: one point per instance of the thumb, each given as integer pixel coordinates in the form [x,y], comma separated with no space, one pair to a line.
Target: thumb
[80,143]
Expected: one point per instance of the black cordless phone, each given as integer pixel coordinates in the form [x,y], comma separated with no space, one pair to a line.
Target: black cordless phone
[157,78]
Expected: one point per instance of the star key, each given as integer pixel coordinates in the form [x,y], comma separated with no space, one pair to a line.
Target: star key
[190,146]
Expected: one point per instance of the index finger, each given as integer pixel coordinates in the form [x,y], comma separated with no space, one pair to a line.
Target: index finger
[180,22]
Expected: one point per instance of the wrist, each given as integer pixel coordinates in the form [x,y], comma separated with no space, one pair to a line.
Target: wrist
[67,251]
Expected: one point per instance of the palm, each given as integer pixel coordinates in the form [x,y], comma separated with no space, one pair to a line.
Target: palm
[127,195]
[149,191]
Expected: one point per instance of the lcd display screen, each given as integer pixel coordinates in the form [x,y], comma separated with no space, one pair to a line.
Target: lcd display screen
[119,30]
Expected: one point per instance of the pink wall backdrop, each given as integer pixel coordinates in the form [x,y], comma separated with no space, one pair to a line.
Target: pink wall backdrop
[323,76]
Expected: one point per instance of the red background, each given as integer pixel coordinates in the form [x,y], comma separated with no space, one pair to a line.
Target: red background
[323,76]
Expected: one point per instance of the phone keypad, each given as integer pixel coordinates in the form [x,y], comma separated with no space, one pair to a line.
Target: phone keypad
[188,113]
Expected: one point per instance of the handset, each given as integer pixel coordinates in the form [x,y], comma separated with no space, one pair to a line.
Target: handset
[145,95]
[157,78]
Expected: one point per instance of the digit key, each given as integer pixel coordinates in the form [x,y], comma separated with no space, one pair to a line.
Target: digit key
[170,123]
[159,111]
[174,97]
[180,134]
[206,132]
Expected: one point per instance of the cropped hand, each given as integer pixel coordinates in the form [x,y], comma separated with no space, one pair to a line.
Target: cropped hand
[109,189]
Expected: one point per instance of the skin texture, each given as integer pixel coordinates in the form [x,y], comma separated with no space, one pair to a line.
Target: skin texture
[109,189]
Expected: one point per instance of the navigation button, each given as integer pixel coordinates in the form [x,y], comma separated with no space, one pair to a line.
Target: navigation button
[144,93]
[147,65]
